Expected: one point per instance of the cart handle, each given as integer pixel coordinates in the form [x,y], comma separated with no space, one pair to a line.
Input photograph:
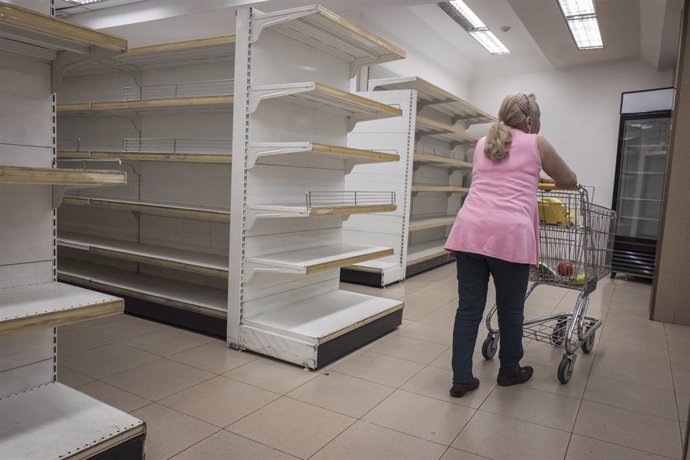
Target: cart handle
[550,186]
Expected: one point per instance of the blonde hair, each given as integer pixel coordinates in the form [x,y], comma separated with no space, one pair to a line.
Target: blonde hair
[514,111]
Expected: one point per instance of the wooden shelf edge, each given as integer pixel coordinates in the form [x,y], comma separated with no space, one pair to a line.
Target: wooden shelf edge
[150,209]
[48,25]
[349,261]
[350,210]
[356,99]
[436,159]
[427,224]
[61,318]
[362,154]
[82,281]
[168,103]
[186,45]
[399,53]
[61,177]
[152,259]
[439,188]
[149,156]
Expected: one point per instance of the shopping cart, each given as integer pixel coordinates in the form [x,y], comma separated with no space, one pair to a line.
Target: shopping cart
[575,253]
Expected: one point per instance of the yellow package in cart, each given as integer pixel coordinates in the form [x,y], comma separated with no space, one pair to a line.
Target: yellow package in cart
[552,211]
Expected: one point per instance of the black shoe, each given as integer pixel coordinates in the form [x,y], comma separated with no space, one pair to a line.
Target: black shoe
[460,389]
[521,377]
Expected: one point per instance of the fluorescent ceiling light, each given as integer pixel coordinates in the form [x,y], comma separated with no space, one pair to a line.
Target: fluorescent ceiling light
[490,41]
[84,2]
[577,7]
[468,20]
[581,18]
[468,14]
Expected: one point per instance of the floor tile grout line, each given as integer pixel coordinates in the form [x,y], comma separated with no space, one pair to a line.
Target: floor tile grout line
[675,398]
[194,444]
[577,414]
[624,446]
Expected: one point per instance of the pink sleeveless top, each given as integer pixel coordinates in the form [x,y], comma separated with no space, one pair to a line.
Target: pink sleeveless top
[499,217]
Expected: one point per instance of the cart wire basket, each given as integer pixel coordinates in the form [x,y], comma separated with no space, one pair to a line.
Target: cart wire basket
[576,249]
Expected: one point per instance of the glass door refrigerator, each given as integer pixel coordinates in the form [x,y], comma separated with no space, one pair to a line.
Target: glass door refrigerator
[645,129]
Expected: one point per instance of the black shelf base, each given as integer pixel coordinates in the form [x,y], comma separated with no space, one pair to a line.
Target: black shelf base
[430,264]
[354,340]
[132,449]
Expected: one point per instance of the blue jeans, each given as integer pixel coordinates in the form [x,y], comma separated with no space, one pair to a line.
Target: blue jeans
[511,281]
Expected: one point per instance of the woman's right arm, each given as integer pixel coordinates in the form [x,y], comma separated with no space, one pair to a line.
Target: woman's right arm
[554,165]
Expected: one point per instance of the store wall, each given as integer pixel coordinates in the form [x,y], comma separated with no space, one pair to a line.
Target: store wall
[671,296]
[580,111]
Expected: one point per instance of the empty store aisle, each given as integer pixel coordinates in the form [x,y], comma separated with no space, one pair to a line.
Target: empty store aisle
[628,399]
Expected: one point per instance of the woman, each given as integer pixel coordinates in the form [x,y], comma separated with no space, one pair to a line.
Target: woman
[496,233]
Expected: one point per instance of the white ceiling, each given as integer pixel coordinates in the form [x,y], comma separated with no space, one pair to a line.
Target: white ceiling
[538,36]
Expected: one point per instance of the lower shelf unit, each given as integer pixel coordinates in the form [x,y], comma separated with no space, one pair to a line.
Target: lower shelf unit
[177,294]
[427,255]
[53,421]
[324,327]
[155,208]
[50,305]
[161,256]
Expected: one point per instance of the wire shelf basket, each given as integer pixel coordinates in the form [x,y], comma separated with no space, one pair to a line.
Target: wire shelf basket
[180,90]
[350,198]
[164,145]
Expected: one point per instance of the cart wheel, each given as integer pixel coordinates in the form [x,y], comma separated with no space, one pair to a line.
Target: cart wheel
[565,370]
[489,347]
[558,334]
[588,346]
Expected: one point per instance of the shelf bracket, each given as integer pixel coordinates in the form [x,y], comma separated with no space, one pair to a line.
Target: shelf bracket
[257,151]
[132,117]
[262,21]
[258,95]
[66,61]
[58,195]
[356,118]
[422,104]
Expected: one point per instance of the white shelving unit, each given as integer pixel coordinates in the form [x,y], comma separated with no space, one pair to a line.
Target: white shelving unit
[289,195]
[433,178]
[163,114]
[43,419]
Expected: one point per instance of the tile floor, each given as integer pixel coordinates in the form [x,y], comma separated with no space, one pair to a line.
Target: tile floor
[627,400]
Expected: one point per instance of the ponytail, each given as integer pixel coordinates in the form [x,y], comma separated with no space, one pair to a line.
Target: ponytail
[514,112]
[498,142]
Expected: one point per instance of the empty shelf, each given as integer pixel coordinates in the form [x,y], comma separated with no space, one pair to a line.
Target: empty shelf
[182,103]
[51,305]
[421,252]
[48,35]
[439,188]
[148,156]
[152,208]
[54,421]
[165,55]
[178,259]
[374,266]
[427,224]
[439,99]
[350,155]
[164,291]
[288,211]
[429,127]
[441,162]
[322,29]
[61,177]
[326,98]
[312,260]
[325,317]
